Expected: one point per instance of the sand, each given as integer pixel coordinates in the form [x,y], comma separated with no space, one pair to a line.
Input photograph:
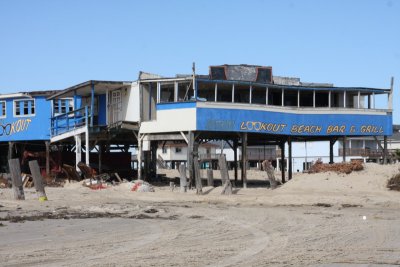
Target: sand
[323,219]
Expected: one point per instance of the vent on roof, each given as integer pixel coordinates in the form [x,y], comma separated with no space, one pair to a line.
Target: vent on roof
[217,73]
[264,75]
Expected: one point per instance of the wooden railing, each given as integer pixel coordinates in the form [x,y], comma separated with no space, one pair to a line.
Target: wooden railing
[69,121]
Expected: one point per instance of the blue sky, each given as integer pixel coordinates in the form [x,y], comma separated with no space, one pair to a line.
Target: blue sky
[55,44]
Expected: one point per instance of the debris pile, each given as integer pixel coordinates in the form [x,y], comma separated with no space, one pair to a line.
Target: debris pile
[4,183]
[394,182]
[142,186]
[345,167]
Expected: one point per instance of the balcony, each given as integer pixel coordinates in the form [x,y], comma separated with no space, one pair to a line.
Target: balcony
[71,123]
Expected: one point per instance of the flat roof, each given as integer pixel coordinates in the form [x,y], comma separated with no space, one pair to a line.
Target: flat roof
[85,87]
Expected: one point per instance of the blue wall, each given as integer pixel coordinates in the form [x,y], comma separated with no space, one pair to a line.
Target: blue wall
[102,120]
[26,128]
[268,122]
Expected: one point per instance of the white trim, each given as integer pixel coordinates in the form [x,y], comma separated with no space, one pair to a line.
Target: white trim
[68,134]
[15,95]
[70,103]
[294,110]
[24,115]
[5,109]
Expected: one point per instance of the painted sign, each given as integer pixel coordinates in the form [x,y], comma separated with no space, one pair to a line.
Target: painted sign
[17,126]
[257,121]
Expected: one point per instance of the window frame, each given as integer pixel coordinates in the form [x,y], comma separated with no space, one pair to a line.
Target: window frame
[3,106]
[33,106]
[60,105]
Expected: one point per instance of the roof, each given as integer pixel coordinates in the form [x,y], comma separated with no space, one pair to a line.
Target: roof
[84,89]
[46,93]
[299,87]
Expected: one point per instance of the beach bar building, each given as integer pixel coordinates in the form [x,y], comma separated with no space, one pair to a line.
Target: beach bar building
[246,105]
[25,126]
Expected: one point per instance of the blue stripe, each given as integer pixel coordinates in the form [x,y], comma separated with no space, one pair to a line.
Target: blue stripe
[164,106]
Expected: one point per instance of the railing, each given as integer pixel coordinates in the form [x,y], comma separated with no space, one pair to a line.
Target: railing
[69,121]
[365,152]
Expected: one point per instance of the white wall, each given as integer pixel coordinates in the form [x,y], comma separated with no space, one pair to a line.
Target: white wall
[131,103]
[171,120]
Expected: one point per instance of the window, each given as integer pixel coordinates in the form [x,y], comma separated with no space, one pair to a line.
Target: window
[2,109]
[62,106]
[164,150]
[24,107]
[178,150]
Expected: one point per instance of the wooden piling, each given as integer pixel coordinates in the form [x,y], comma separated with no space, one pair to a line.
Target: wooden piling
[244,160]
[290,169]
[226,183]
[37,179]
[210,177]
[183,178]
[282,146]
[196,165]
[47,144]
[16,178]
[190,138]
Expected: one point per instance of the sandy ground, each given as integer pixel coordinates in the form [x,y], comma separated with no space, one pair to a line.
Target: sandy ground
[313,220]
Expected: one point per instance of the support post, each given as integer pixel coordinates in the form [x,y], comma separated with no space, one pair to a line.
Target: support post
[344,148]
[16,179]
[210,177]
[100,157]
[37,179]
[331,143]
[183,178]
[290,158]
[139,157]
[153,161]
[91,106]
[235,159]
[10,150]
[87,145]
[244,160]
[282,146]
[385,150]
[226,183]
[47,144]
[190,157]
[196,167]
[78,150]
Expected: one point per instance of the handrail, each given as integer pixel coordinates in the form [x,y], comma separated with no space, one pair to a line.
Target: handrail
[69,121]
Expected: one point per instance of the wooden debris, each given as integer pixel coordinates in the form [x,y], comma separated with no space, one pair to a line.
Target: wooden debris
[71,173]
[394,182]
[345,167]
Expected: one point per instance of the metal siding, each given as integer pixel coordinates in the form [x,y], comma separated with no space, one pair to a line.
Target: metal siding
[26,128]
[211,119]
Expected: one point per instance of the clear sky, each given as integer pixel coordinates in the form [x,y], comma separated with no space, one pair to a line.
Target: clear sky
[56,44]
